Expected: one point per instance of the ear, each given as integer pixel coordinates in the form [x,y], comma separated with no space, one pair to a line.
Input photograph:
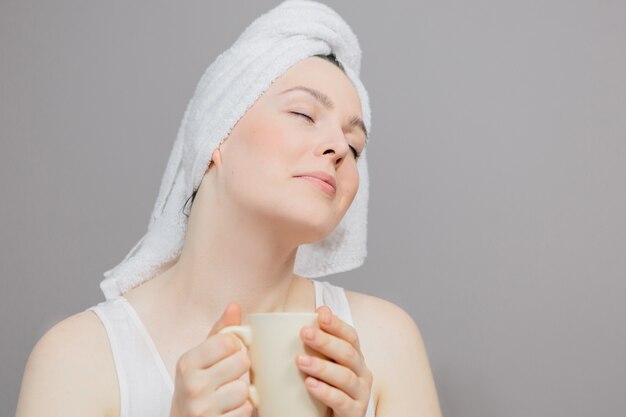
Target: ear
[216,158]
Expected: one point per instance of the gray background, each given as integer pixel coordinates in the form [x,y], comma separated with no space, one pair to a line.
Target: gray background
[497,164]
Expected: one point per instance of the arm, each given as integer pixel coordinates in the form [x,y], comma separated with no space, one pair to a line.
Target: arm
[407,387]
[67,371]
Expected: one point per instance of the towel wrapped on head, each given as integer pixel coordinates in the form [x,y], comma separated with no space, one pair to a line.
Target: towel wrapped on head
[271,44]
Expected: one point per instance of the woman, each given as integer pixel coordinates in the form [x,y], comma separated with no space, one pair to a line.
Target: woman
[274,205]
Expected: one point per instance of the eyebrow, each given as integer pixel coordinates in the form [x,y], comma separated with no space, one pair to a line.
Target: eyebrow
[327,102]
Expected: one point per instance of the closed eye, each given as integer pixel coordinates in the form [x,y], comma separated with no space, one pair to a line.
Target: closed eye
[354,151]
[305,115]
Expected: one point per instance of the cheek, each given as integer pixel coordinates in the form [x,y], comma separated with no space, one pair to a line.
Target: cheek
[349,186]
[351,180]
[273,147]
[262,158]
[271,141]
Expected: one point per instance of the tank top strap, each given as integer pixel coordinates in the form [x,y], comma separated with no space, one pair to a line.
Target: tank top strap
[335,298]
[143,391]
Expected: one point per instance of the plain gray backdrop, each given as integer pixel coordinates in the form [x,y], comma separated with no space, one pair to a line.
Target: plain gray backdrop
[497,172]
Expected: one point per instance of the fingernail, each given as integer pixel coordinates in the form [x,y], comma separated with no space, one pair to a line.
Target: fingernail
[325,318]
[304,360]
[308,333]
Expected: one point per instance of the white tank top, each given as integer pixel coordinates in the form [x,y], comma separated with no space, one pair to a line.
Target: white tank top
[146,388]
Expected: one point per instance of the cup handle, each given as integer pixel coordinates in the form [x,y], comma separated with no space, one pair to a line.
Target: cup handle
[254,396]
[244,334]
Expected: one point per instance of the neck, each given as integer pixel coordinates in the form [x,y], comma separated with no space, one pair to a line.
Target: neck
[238,259]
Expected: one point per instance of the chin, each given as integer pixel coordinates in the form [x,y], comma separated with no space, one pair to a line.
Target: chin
[311,221]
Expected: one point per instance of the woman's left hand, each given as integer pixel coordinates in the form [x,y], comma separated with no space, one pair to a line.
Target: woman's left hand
[344,382]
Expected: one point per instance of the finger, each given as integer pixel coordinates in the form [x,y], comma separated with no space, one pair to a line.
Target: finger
[209,352]
[216,346]
[333,374]
[208,380]
[337,400]
[338,327]
[231,395]
[335,349]
[230,317]
[243,410]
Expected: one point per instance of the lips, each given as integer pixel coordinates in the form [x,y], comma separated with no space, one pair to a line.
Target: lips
[321,175]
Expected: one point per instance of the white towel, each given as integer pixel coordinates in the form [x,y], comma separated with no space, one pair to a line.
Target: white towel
[276,40]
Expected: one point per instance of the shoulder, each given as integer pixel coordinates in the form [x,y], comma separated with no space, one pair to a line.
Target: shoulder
[398,354]
[383,316]
[69,370]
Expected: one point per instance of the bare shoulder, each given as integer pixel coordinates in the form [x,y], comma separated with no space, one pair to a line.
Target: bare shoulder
[378,321]
[70,371]
[393,345]
[382,313]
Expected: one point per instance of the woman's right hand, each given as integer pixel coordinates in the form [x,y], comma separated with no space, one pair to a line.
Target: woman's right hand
[209,379]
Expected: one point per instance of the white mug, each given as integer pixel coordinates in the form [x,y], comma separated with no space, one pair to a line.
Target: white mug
[273,342]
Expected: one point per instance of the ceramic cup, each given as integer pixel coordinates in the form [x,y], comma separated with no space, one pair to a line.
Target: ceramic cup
[273,342]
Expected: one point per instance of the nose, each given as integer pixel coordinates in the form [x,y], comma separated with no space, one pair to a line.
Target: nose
[335,145]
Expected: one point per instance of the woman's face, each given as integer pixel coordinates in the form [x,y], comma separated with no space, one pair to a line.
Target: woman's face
[271,145]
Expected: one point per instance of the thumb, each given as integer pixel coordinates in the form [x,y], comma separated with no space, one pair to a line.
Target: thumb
[230,317]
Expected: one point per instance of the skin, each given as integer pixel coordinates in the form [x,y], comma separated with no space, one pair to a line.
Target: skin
[247,258]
